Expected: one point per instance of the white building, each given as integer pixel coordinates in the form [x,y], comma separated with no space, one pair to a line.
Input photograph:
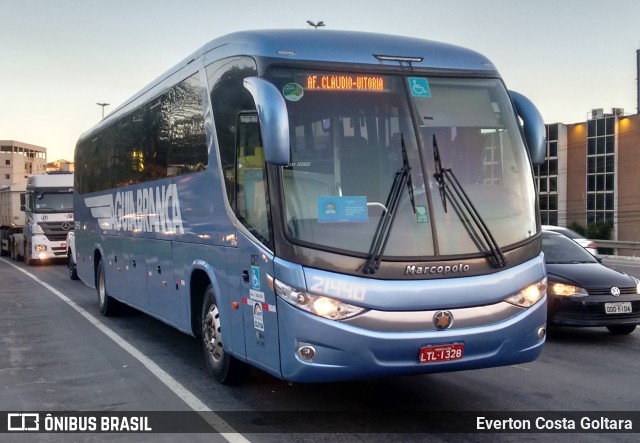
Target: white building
[19,160]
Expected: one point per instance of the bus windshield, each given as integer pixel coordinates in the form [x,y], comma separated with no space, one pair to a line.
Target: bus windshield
[349,136]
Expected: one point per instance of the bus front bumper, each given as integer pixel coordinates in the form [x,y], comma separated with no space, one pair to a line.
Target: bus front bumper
[314,349]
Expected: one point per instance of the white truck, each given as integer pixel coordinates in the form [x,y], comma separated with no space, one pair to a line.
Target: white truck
[47,204]
[11,217]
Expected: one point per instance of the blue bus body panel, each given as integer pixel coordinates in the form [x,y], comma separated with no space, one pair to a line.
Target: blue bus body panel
[329,46]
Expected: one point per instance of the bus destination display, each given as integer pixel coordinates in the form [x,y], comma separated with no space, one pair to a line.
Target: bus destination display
[337,82]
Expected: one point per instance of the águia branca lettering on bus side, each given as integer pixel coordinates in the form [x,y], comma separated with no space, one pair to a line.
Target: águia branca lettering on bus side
[151,209]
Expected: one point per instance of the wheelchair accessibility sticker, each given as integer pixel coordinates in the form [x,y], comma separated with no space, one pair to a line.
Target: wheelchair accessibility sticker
[255,273]
[419,87]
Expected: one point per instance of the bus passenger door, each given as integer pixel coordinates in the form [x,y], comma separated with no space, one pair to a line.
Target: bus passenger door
[258,304]
[255,261]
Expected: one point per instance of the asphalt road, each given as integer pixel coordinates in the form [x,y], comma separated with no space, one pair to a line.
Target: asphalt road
[58,353]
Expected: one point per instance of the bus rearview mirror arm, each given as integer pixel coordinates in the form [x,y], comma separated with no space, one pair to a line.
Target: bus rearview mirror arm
[274,121]
[533,125]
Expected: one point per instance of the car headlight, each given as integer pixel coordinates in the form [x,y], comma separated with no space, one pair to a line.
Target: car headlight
[530,295]
[637,284]
[316,304]
[566,290]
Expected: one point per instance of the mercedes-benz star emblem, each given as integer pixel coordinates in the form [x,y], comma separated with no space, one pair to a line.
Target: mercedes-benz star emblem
[615,291]
[442,320]
[66,226]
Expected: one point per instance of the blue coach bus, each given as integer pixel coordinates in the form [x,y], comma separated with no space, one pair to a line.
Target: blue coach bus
[322,205]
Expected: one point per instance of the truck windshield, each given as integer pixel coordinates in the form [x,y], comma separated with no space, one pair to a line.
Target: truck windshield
[352,133]
[53,202]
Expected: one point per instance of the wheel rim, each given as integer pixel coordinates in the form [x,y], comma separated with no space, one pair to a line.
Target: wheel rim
[211,334]
[101,289]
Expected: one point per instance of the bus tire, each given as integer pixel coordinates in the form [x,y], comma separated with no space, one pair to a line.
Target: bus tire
[107,304]
[73,271]
[223,367]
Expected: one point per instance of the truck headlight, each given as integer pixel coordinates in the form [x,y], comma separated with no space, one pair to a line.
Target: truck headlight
[40,248]
[316,304]
[530,295]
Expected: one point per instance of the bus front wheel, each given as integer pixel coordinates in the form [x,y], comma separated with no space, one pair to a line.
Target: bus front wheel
[222,366]
[106,303]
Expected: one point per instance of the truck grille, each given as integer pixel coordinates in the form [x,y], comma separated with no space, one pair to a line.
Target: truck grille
[56,231]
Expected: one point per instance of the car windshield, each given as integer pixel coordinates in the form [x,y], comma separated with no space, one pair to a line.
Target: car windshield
[353,135]
[559,249]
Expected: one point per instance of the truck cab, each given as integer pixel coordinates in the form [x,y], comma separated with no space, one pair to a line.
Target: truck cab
[48,208]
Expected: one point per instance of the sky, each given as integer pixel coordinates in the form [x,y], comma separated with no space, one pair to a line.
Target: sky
[59,58]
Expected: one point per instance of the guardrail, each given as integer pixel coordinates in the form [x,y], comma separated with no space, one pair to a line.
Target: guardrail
[618,245]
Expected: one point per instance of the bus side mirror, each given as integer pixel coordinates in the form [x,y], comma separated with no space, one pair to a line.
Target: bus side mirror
[533,125]
[274,121]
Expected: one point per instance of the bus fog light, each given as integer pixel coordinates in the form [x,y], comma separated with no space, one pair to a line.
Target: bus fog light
[306,351]
[542,332]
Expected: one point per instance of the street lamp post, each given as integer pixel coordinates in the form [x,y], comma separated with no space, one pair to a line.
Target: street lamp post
[316,25]
[103,106]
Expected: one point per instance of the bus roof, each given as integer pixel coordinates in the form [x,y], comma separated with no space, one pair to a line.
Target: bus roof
[331,46]
[347,47]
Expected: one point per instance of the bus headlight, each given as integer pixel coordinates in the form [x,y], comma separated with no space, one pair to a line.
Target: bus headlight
[316,304]
[530,295]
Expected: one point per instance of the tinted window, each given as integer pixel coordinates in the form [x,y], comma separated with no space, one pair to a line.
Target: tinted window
[162,138]
[560,249]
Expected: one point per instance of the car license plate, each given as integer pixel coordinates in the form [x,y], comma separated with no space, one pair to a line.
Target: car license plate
[618,307]
[437,353]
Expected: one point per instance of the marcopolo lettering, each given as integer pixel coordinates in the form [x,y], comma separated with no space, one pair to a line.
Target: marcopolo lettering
[436,269]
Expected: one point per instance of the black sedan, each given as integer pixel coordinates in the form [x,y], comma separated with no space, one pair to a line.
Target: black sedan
[583,292]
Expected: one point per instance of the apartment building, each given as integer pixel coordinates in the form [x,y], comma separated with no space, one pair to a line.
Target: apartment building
[18,160]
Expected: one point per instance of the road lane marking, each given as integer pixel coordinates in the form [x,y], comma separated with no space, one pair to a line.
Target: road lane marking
[219,424]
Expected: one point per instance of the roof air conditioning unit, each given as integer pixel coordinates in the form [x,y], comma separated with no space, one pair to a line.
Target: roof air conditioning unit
[597,113]
[618,112]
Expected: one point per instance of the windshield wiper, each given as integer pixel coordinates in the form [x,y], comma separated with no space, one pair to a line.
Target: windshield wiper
[439,176]
[477,229]
[401,178]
